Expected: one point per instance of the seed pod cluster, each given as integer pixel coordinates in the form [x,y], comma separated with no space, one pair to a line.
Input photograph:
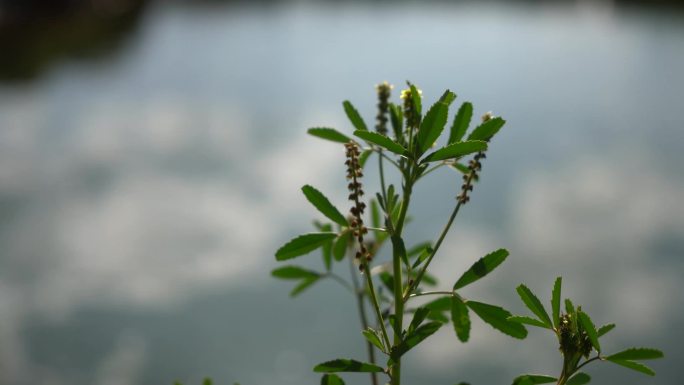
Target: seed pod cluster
[384,90]
[574,340]
[354,173]
[475,166]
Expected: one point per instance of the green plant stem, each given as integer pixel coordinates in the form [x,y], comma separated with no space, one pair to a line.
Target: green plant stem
[364,319]
[398,282]
[376,306]
[445,230]
[432,169]
[587,361]
[431,293]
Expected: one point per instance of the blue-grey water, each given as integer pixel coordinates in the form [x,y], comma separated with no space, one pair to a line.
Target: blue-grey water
[142,195]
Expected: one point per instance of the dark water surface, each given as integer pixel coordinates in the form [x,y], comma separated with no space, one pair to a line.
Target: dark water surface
[143,192]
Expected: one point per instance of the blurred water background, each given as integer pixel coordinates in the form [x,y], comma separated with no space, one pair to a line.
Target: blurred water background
[151,155]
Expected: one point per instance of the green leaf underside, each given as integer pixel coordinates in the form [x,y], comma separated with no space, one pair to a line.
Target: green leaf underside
[302,244]
[432,126]
[329,134]
[636,354]
[528,321]
[533,303]
[303,285]
[460,318]
[373,337]
[382,141]
[413,339]
[331,379]
[321,202]
[397,118]
[555,302]
[533,379]
[375,213]
[293,272]
[447,97]
[482,267]
[605,329]
[354,116]
[461,122]
[589,327]
[340,246]
[487,130]
[456,150]
[638,366]
[579,378]
[346,365]
[497,317]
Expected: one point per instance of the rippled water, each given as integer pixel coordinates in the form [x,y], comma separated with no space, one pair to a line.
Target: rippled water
[142,196]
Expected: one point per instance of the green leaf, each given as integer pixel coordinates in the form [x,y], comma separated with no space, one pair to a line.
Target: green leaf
[329,134]
[605,329]
[555,302]
[428,279]
[533,303]
[460,318]
[418,318]
[439,304]
[432,126]
[461,122]
[303,285]
[293,272]
[331,379]
[346,365]
[354,116]
[456,150]
[638,366]
[413,339]
[447,97]
[340,246]
[636,354]
[323,205]
[417,103]
[590,329]
[397,118]
[375,213]
[388,280]
[302,244]
[373,337]
[528,321]
[207,381]
[580,378]
[363,158]
[569,307]
[482,267]
[487,130]
[497,317]
[534,379]
[327,246]
[399,249]
[382,141]
[422,257]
